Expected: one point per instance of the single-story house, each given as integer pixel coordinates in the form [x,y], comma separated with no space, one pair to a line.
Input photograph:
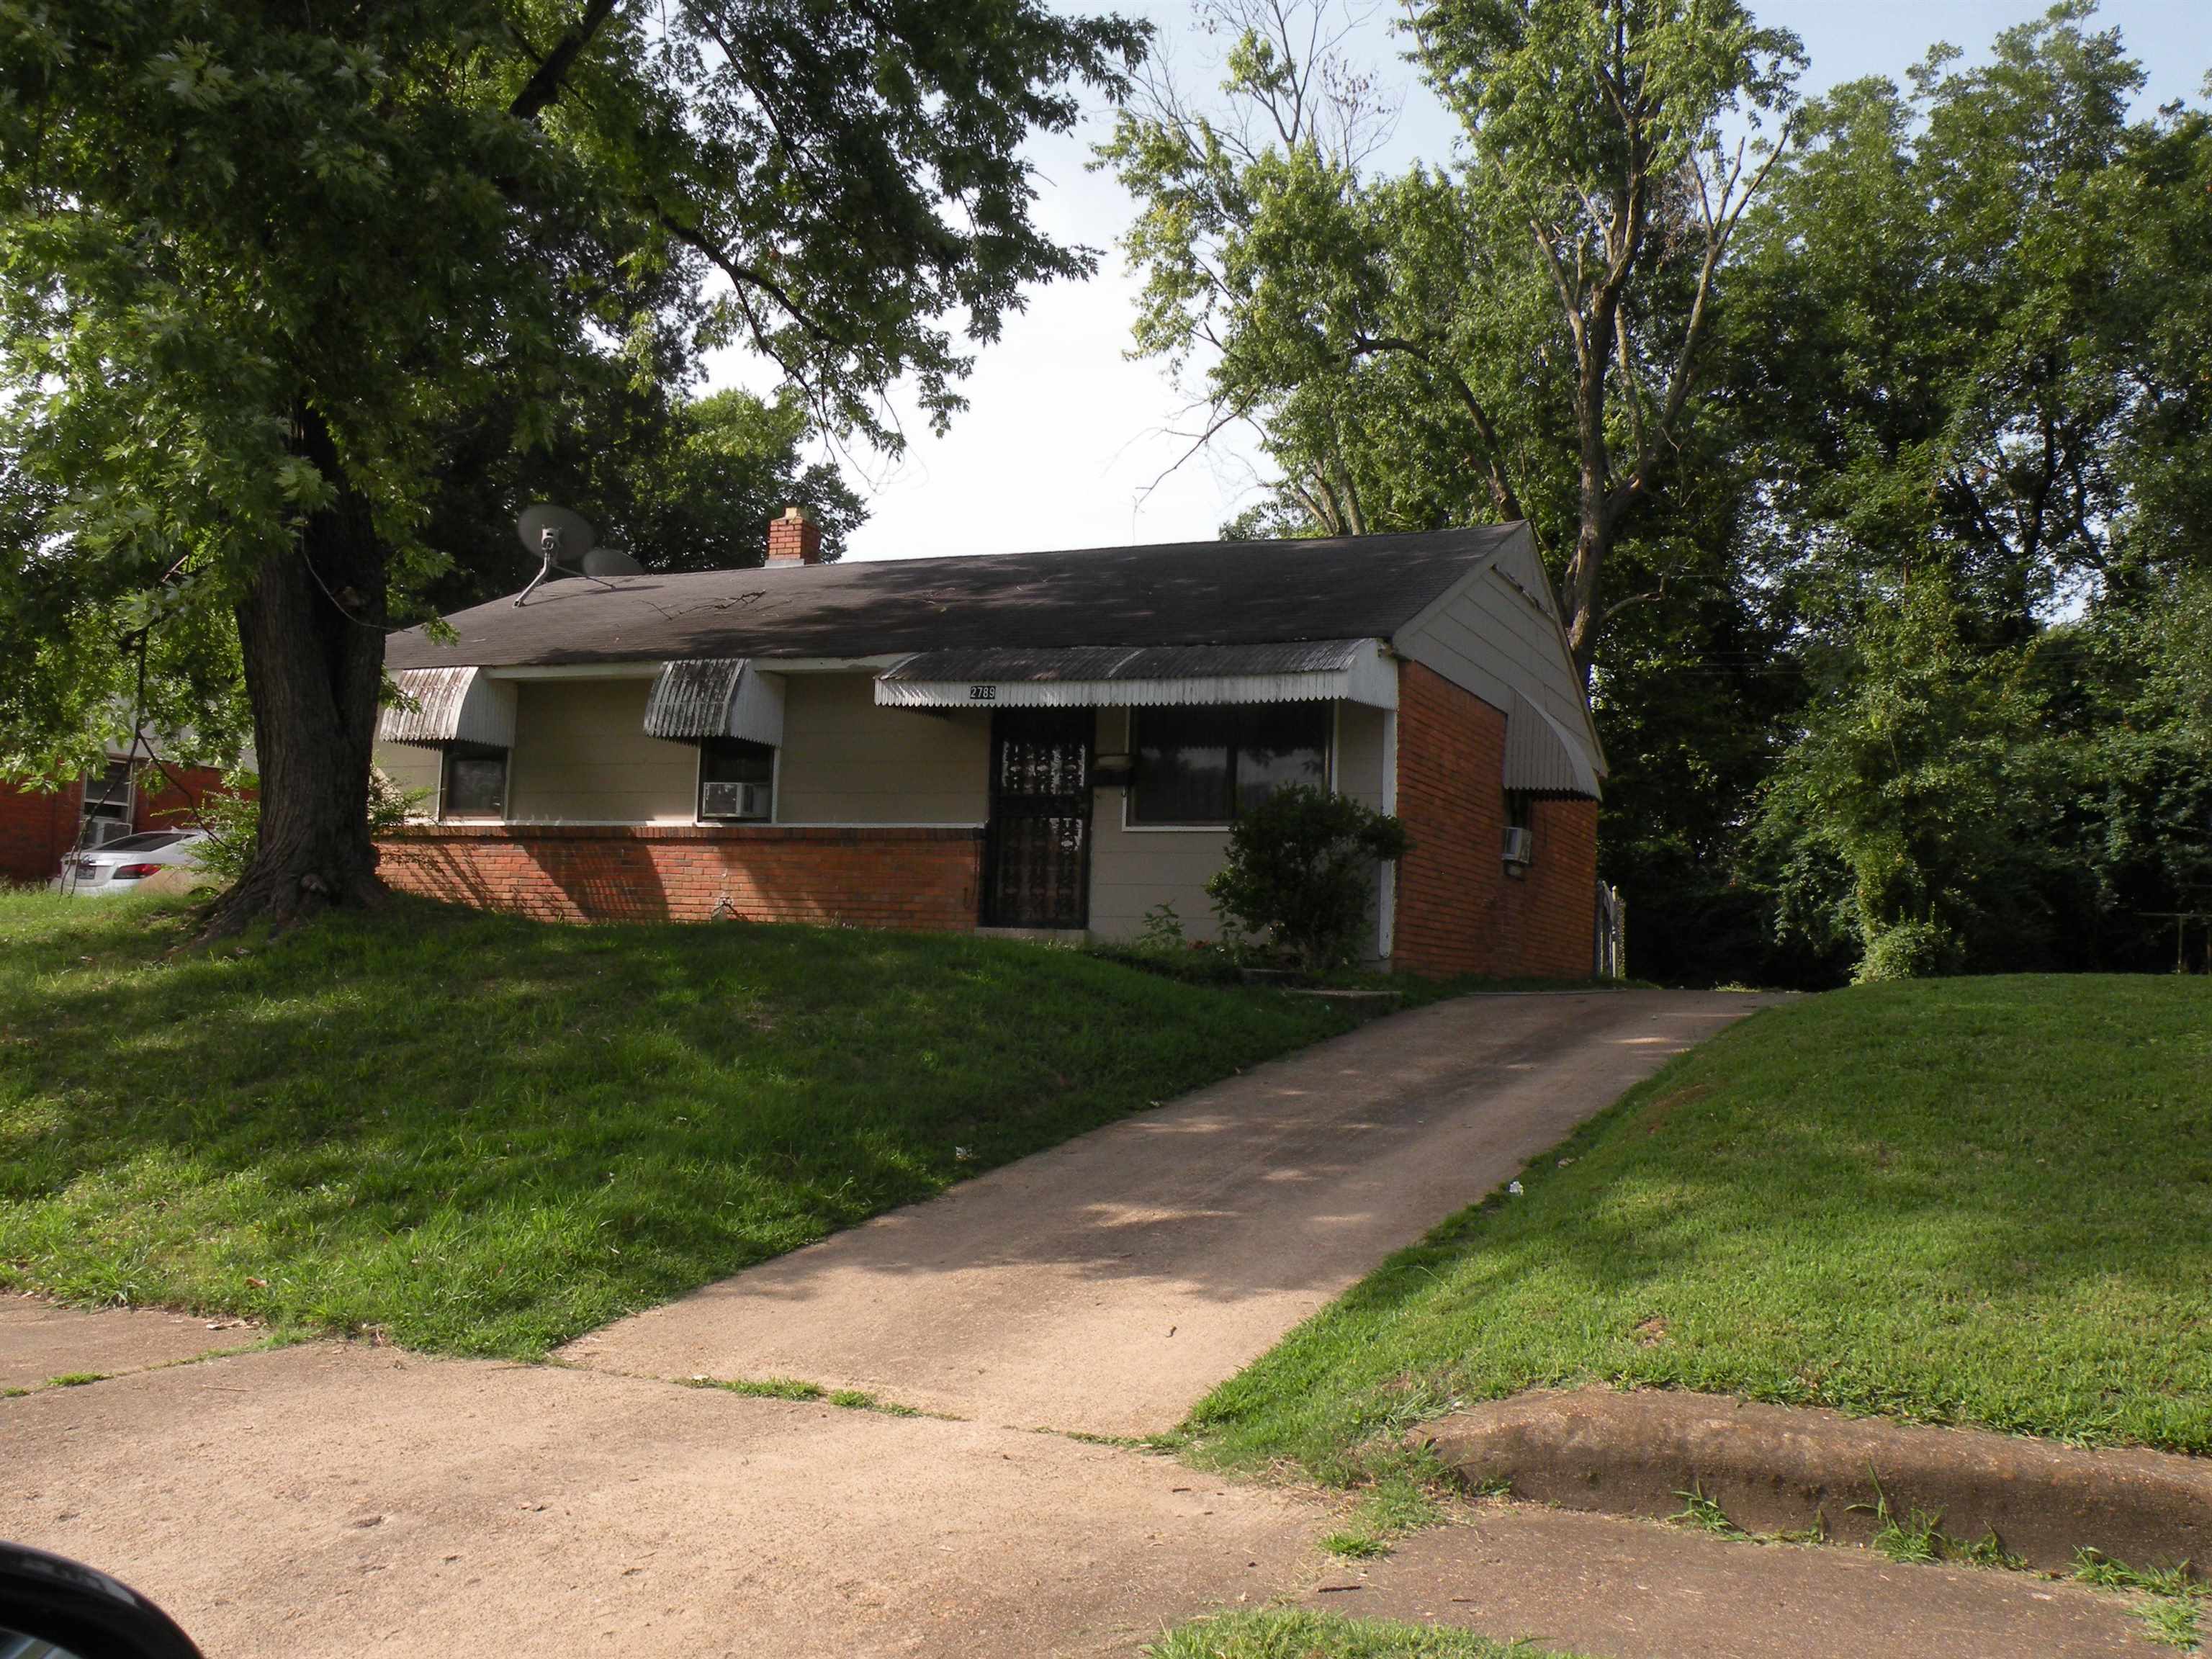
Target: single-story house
[1048,742]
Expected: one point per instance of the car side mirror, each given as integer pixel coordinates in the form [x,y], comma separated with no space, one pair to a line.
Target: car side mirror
[52,1608]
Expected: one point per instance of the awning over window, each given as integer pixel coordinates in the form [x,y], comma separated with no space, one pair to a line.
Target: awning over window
[449,705]
[1118,677]
[1542,757]
[715,698]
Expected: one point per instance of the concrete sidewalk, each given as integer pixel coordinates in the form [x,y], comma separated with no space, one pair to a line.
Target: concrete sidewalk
[1107,1284]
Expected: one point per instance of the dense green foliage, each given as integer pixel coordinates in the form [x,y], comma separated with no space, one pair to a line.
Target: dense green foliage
[1880,521]
[298,304]
[1300,873]
[1975,1201]
[301,1131]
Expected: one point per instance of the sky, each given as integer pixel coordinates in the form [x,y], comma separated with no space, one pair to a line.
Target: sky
[1069,443]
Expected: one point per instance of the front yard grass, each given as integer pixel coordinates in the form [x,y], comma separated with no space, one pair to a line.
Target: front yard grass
[1972,1202]
[478,1134]
[1287,1633]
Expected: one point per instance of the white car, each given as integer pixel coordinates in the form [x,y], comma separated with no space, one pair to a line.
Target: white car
[124,865]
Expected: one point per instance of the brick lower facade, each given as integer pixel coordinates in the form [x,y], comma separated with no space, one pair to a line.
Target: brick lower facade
[1459,911]
[923,879]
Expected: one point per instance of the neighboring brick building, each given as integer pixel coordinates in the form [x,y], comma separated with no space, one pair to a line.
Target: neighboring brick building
[40,827]
[1054,742]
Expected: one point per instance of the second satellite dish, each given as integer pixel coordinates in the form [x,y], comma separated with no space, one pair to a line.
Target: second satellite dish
[604,561]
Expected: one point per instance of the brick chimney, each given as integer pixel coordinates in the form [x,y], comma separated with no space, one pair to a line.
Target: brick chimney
[794,538]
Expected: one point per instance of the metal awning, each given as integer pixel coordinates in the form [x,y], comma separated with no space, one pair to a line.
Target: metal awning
[715,698]
[449,705]
[1120,677]
[1542,757]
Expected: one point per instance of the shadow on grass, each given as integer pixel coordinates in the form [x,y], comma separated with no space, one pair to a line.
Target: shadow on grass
[487,1135]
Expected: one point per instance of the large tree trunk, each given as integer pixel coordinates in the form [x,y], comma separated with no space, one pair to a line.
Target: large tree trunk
[311,631]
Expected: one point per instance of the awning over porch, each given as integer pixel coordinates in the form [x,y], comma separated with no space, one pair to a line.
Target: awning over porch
[449,705]
[1120,677]
[1542,756]
[715,698]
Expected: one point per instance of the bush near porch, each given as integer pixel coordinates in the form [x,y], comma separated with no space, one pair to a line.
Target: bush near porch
[479,1134]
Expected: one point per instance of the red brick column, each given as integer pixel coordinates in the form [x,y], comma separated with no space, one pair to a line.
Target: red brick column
[924,878]
[1459,911]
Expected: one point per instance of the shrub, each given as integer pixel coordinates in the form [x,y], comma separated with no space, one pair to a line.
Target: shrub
[1301,871]
[232,821]
[1908,950]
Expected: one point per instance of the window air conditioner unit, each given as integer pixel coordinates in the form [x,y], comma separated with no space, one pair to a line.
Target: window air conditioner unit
[98,832]
[734,800]
[1519,847]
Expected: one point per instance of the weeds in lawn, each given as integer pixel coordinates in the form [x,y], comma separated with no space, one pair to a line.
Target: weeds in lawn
[1400,1497]
[1290,1633]
[2173,1600]
[1704,1514]
[1914,1539]
[790,1388]
[1917,1538]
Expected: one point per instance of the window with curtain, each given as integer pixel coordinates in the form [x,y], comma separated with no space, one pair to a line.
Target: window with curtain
[1209,765]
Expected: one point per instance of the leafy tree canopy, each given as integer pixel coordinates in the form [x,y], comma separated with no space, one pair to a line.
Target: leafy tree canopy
[263,270]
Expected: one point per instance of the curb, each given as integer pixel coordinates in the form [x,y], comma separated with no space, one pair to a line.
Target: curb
[1782,1469]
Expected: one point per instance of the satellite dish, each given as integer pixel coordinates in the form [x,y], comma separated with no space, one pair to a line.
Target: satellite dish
[564,540]
[611,562]
[573,531]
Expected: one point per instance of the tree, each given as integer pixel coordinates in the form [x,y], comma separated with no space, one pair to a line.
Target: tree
[686,484]
[1534,321]
[1958,363]
[257,264]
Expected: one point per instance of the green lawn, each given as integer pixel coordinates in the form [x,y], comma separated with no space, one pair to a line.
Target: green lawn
[1984,1200]
[484,1136]
[1284,1633]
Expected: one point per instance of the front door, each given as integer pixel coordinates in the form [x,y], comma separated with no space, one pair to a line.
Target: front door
[1036,850]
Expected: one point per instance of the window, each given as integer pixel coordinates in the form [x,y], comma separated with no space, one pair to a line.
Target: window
[737,778]
[475,781]
[1207,765]
[108,795]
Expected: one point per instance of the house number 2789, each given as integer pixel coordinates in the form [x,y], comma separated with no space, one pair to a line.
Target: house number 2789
[982,694]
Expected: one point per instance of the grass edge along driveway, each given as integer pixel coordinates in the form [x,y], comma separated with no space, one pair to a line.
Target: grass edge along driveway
[478,1134]
[1981,1201]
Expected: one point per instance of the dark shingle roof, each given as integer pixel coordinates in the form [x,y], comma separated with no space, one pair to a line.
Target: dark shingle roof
[1186,593]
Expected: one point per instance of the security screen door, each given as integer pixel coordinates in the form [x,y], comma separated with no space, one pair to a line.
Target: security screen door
[1036,849]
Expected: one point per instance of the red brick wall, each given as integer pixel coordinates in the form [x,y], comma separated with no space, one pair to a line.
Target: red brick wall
[160,803]
[38,828]
[1459,911]
[887,878]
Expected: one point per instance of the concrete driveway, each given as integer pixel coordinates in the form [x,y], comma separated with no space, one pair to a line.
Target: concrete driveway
[336,1499]
[1107,1284]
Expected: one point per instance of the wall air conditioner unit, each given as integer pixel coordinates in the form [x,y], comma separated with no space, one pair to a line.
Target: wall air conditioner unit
[98,832]
[726,801]
[1521,847]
